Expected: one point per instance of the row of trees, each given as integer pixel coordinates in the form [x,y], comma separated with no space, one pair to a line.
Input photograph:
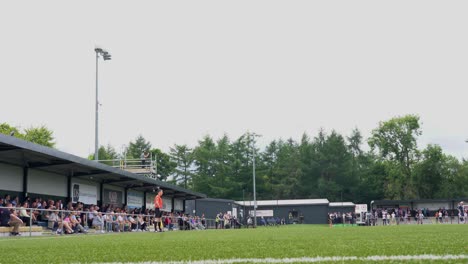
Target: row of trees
[328,165]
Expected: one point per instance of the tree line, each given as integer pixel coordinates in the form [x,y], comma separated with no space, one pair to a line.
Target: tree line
[327,165]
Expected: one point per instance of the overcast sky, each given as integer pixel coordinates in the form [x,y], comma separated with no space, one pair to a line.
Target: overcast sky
[184,69]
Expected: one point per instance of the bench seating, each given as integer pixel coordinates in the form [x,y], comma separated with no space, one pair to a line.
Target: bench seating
[24,230]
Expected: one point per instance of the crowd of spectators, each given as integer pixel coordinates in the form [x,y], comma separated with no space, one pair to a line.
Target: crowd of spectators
[394,216]
[78,218]
[341,218]
[226,221]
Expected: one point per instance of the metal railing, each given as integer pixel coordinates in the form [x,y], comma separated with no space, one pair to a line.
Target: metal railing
[406,221]
[138,166]
[110,222]
[60,222]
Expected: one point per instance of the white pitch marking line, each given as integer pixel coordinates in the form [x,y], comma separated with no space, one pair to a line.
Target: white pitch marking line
[305,259]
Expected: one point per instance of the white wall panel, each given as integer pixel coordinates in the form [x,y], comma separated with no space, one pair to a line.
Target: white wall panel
[11,178]
[42,182]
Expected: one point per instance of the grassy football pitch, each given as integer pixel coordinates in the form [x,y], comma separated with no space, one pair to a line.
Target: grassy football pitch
[448,242]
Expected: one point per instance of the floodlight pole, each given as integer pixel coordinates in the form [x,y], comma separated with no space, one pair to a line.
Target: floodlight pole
[105,56]
[253,174]
[96,141]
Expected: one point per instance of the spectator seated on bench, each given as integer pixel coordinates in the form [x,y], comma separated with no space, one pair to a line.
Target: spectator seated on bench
[141,223]
[98,221]
[53,220]
[76,222]
[197,224]
[168,223]
[9,218]
[132,223]
[67,225]
[25,216]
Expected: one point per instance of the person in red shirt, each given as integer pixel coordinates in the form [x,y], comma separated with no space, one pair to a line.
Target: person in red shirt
[158,204]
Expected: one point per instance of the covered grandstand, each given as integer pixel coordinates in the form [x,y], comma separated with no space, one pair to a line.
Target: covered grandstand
[28,169]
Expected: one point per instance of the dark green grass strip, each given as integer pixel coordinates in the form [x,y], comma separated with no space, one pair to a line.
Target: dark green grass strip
[282,242]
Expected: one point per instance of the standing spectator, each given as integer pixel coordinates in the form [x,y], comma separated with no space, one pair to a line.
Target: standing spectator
[221,220]
[217,221]
[227,220]
[203,220]
[249,222]
[461,213]
[420,216]
[144,156]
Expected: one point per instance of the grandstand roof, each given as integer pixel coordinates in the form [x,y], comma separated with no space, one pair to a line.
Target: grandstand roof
[284,202]
[22,153]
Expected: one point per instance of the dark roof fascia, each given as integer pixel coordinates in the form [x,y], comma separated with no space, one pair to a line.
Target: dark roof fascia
[385,202]
[216,200]
[89,163]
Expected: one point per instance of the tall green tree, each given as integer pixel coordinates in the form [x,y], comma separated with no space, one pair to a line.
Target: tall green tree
[429,172]
[454,178]
[289,172]
[333,157]
[107,153]
[396,140]
[204,162]
[241,166]
[164,164]
[354,146]
[182,156]
[137,147]
[269,170]
[222,185]
[40,135]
